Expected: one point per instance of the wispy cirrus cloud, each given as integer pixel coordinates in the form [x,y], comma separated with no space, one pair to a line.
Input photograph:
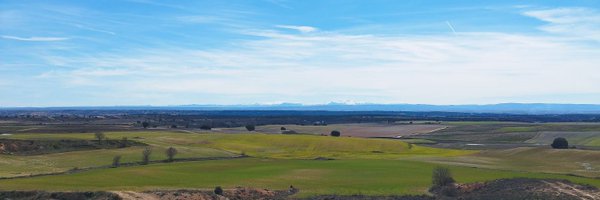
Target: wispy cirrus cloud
[447,68]
[230,57]
[578,22]
[34,39]
[303,29]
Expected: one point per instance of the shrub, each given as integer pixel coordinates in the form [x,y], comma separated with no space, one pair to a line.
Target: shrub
[219,190]
[250,127]
[171,152]
[116,161]
[146,155]
[442,177]
[560,143]
[335,133]
[449,191]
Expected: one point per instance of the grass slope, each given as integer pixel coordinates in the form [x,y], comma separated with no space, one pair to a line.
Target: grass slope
[303,146]
[543,159]
[212,145]
[371,177]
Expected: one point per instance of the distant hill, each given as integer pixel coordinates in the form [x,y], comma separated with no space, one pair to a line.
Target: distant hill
[508,108]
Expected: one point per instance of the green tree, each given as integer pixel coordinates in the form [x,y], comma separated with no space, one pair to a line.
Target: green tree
[146,155]
[560,143]
[335,133]
[171,152]
[442,177]
[145,124]
[116,161]
[99,136]
[250,127]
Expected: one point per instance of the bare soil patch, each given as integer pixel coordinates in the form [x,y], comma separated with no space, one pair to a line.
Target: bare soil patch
[523,188]
[239,193]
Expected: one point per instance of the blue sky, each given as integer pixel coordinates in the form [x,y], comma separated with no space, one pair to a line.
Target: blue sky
[151,52]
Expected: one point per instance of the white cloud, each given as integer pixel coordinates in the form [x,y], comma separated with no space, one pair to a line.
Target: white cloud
[303,29]
[35,39]
[578,22]
[290,66]
[323,67]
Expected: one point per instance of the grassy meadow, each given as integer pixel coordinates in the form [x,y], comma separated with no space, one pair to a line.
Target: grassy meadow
[358,166]
[372,177]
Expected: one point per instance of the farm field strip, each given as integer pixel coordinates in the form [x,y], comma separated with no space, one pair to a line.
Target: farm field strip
[376,177]
[354,130]
[191,145]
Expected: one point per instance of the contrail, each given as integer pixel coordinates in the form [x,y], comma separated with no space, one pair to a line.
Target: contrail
[451,27]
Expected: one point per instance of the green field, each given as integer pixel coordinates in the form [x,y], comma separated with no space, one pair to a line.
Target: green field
[372,177]
[58,162]
[588,138]
[361,166]
[542,159]
[585,134]
[193,145]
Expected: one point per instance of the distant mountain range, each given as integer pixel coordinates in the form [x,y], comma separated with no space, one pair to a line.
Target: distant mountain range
[511,108]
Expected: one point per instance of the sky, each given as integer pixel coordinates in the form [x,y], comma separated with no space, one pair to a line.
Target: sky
[152,52]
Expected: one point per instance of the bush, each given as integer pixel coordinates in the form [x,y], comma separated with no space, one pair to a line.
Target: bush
[449,191]
[171,152]
[250,127]
[219,190]
[116,161]
[146,155]
[560,143]
[335,133]
[442,177]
